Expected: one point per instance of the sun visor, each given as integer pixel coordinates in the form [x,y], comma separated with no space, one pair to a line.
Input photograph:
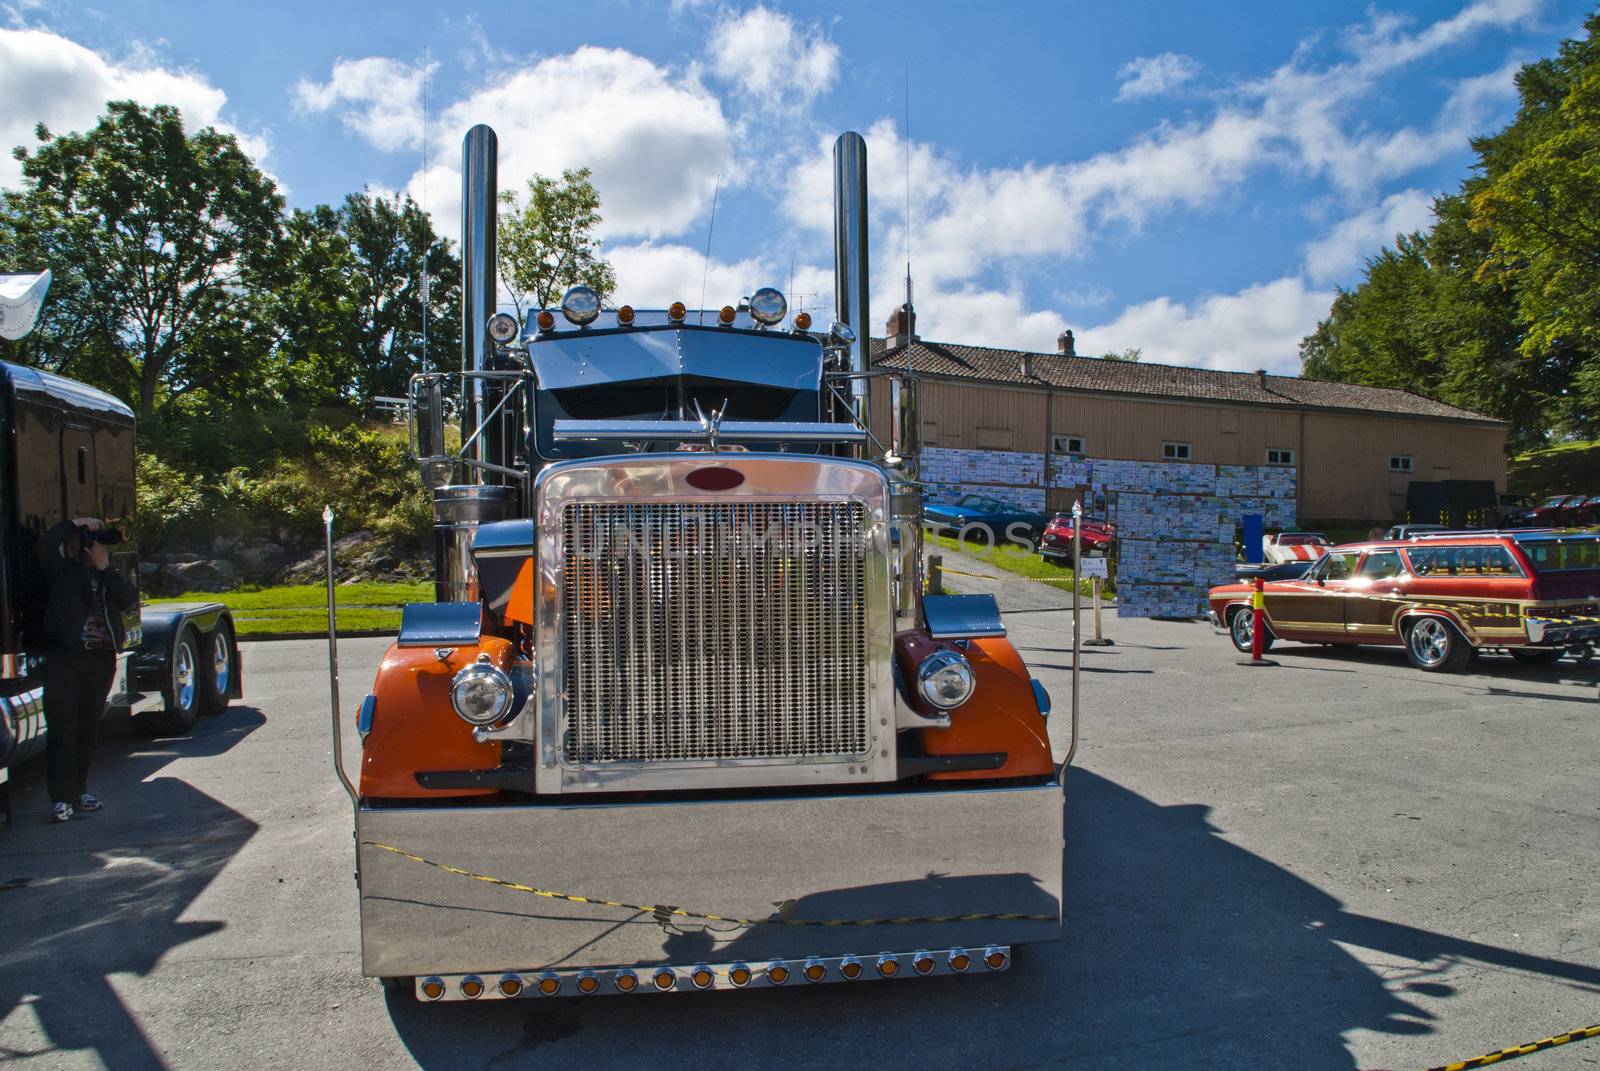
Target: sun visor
[768,358]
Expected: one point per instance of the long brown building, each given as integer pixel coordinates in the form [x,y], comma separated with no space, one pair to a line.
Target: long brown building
[1353,449]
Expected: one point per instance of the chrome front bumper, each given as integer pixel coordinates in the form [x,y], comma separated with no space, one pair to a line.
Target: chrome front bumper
[870,872]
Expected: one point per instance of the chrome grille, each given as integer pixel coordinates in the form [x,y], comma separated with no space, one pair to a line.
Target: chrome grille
[698,631]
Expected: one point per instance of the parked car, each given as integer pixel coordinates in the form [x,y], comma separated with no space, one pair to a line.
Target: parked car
[1536,594]
[1295,546]
[1412,531]
[1056,542]
[999,522]
[1557,511]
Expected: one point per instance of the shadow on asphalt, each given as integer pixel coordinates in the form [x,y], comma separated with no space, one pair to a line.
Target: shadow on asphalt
[103,894]
[1180,948]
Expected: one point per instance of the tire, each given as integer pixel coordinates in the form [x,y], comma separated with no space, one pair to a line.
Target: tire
[1538,656]
[1241,628]
[183,692]
[1434,645]
[217,667]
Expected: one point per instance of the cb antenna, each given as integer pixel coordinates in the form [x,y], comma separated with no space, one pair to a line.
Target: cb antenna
[907,146]
[711,229]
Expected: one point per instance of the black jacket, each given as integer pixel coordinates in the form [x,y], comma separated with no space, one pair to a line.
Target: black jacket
[68,603]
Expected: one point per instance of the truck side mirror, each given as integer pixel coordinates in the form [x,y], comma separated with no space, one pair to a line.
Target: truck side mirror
[426,420]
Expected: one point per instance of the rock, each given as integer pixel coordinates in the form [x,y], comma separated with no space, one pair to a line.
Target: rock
[359,557]
[217,574]
[258,559]
[151,581]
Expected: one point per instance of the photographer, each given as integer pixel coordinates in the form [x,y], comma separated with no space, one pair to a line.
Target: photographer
[83,631]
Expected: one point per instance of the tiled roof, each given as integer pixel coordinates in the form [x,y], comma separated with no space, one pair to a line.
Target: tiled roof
[1164,380]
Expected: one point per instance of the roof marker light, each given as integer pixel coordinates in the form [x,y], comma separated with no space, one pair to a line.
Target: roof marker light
[726,316]
[802,321]
[546,320]
[510,985]
[625,316]
[676,312]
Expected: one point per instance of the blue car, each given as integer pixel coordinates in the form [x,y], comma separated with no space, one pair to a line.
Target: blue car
[982,517]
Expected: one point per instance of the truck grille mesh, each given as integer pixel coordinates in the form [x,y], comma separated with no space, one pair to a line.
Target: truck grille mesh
[703,631]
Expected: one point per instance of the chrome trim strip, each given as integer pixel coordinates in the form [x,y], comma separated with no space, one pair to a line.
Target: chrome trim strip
[689,431]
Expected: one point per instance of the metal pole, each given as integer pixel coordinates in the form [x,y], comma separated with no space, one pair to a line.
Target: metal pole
[1095,584]
[333,663]
[1077,645]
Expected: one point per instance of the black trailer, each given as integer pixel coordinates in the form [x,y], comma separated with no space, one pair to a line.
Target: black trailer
[1456,504]
[66,451]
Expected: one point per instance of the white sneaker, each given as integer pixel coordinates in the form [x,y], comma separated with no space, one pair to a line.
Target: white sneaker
[87,803]
[61,812]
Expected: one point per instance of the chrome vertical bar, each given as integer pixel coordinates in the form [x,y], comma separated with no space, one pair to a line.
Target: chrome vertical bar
[850,283]
[1077,644]
[333,664]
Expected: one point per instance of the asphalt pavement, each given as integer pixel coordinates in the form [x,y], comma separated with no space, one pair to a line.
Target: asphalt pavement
[1339,862]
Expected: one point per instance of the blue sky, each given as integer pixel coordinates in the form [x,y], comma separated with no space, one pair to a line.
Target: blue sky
[1190,179]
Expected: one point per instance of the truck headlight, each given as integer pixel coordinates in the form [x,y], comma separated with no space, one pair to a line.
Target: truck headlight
[481,693]
[945,679]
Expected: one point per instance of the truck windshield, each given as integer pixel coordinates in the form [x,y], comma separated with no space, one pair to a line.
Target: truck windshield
[1578,554]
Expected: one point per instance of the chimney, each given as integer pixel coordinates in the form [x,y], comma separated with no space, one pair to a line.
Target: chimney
[901,330]
[1027,366]
[1065,343]
[1261,378]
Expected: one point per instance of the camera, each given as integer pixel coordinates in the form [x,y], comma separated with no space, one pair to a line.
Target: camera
[109,536]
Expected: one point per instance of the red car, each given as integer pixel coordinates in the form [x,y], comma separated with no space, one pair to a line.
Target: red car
[1562,511]
[1536,594]
[1056,543]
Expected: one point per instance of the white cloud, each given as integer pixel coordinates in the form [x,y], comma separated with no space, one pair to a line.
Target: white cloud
[653,276]
[1151,76]
[47,78]
[655,142]
[377,98]
[1258,327]
[1344,248]
[768,56]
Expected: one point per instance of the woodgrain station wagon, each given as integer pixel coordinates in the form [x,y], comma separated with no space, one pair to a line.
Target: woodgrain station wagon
[1534,594]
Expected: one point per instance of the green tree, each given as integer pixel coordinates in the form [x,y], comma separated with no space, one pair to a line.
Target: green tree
[548,244]
[1129,355]
[350,300]
[159,241]
[1539,206]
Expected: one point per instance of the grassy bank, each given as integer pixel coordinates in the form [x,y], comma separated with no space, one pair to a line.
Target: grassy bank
[302,609]
[1566,467]
[1016,559]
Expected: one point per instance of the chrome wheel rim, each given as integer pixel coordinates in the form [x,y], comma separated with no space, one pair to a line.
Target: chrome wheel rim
[220,663]
[1244,628]
[1430,641]
[183,676]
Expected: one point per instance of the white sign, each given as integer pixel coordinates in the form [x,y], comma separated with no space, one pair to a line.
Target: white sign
[1093,567]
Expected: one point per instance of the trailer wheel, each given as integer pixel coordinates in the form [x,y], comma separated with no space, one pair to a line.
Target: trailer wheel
[182,692]
[216,671]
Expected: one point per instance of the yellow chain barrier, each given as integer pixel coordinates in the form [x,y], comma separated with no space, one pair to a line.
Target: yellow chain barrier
[1521,1050]
[666,912]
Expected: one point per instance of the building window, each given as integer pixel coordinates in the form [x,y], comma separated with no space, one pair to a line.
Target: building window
[1176,451]
[1399,462]
[1067,444]
[1280,457]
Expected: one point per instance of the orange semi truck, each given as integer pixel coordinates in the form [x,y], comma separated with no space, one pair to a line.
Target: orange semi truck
[682,717]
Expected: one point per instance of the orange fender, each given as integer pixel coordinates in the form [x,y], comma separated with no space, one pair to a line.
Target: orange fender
[1002,715]
[414,726]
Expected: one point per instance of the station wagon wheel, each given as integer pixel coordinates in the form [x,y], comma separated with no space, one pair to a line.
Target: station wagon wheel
[1433,644]
[1241,629]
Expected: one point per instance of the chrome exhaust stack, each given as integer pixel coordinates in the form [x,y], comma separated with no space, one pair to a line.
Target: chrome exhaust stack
[850,282]
[458,509]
